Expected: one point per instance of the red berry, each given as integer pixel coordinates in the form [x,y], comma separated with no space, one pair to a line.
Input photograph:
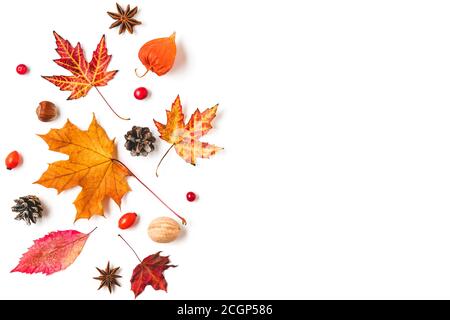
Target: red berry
[141,93]
[12,160]
[190,196]
[127,220]
[22,69]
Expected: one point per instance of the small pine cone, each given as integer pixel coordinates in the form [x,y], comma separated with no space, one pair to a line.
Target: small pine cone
[139,141]
[29,208]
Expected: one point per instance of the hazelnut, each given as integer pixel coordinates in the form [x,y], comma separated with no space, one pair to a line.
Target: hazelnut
[46,111]
[163,230]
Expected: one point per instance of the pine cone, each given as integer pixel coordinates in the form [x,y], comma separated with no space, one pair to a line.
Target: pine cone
[29,208]
[139,140]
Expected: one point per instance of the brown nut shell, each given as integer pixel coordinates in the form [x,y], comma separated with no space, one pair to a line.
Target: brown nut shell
[46,111]
[163,230]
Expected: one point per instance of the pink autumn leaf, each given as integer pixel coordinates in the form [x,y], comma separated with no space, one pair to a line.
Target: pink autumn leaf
[52,253]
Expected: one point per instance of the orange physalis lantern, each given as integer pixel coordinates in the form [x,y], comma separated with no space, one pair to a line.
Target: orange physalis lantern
[158,55]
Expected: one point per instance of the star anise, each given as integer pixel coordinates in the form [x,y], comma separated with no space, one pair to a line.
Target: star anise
[108,278]
[124,19]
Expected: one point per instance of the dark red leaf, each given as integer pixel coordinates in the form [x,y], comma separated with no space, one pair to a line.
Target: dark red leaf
[150,272]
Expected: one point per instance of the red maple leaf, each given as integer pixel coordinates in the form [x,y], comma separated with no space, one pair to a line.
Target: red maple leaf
[150,272]
[85,76]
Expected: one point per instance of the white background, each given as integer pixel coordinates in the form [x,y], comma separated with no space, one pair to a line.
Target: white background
[334,115]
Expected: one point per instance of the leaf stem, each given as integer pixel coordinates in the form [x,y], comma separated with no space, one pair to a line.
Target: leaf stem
[92,231]
[165,154]
[130,248]
[183,221]
[101,95]
[135,71]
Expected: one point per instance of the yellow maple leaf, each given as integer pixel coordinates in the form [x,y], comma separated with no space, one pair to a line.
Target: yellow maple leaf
[185,137]
[90,165]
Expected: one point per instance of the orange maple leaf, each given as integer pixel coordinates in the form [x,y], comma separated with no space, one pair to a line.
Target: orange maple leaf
[91,165]
[185,137]
[85,76]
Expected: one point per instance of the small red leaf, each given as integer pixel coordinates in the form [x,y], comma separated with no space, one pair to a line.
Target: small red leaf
[84,75]
[52,253]
[150,272]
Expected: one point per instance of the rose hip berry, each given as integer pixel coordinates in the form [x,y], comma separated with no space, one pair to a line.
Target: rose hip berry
[22,69]
[141,93]
[12,160]
[127,220]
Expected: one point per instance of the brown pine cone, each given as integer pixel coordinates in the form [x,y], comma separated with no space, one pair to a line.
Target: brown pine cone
[29,209]
[139,141]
